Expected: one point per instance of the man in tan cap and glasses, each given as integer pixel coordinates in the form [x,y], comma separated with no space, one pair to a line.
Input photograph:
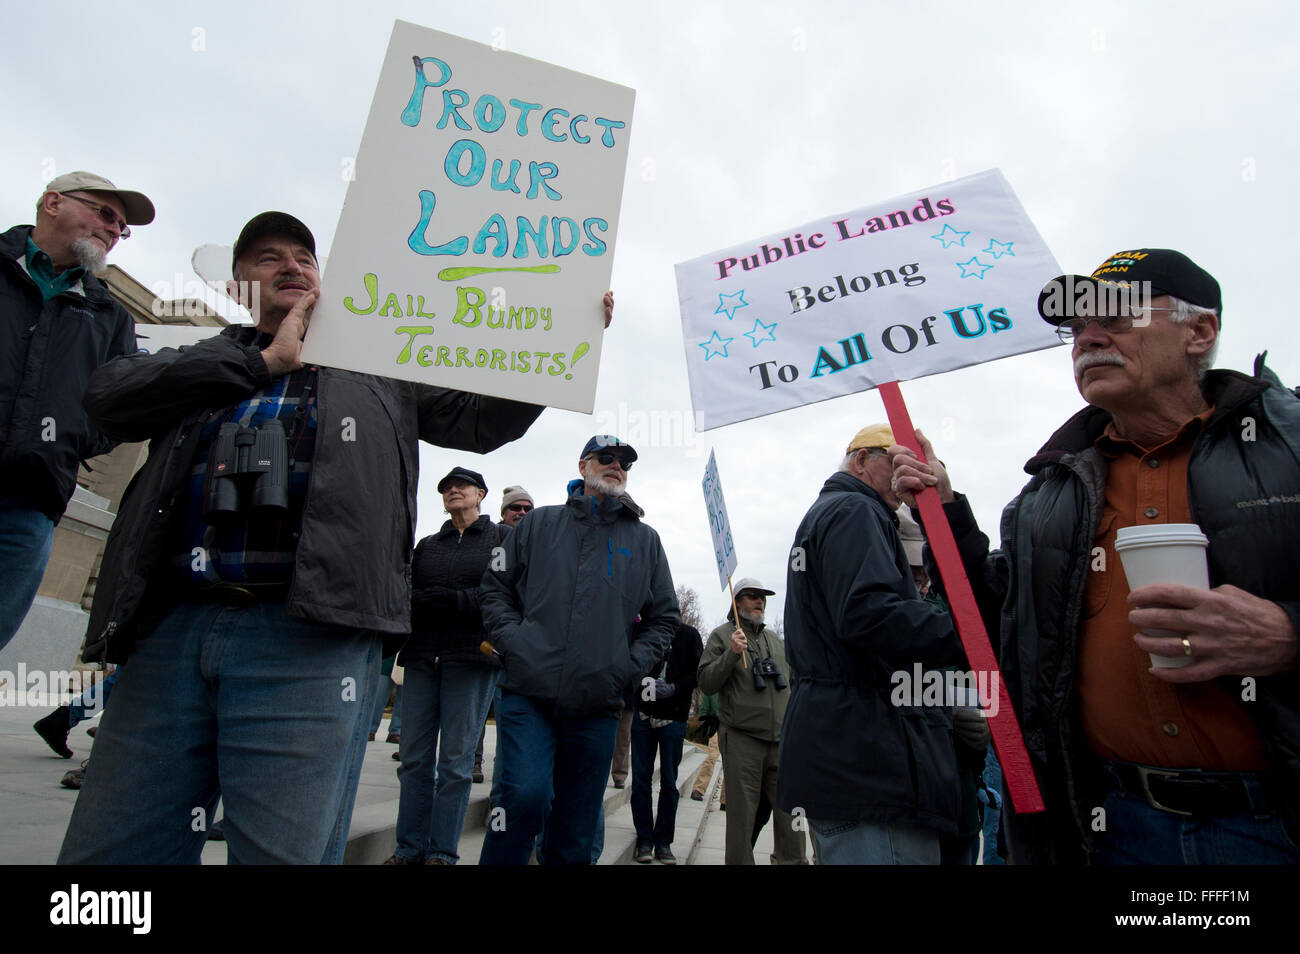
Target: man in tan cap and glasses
[875,776]
[59,324]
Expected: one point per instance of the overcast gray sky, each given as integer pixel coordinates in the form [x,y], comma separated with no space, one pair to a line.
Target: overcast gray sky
[1120,125]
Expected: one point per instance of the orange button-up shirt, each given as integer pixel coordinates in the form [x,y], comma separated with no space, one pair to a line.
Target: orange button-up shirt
[1128,714]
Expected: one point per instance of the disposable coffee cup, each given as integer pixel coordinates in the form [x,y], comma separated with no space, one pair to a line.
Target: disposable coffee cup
[1164,553]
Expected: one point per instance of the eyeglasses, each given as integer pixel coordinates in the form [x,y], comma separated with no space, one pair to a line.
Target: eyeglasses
[605,458]
[1125,320]
[875,452]
[106,213]
[519,508]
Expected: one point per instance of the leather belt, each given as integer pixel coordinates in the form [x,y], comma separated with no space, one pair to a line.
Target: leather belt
[1196,793]
[242,594]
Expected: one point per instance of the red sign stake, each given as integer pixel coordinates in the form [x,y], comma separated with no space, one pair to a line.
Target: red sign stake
[1007,740]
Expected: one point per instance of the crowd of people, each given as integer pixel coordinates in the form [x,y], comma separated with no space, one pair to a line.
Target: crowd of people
[253,613]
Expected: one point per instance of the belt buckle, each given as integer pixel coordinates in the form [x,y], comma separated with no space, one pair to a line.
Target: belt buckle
[232,594]
[1144,774]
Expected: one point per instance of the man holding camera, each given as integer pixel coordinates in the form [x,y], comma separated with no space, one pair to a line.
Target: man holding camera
[257,559]
[744,663]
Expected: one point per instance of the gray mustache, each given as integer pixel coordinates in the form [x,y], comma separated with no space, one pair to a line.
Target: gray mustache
[1091,359]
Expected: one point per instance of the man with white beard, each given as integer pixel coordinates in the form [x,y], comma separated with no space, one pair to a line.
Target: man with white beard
[579,605]
[58,324]
[745,664]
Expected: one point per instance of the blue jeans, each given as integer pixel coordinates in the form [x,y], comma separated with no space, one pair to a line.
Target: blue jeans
[1137,834]
[991,795]
[544,762]
[93,699]
[383,689]
[262,710]
[667,742]
[25,538]
[445,708]
[873,843]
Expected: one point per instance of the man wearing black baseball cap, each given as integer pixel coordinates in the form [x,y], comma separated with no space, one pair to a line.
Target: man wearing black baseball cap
[581,609]
[260,555]
[1191,757]
[58,323]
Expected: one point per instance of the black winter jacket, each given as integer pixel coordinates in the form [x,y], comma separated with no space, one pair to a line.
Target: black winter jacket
[1244,489]
[353,561]
[683,659]
[48,350]
[446,623]
[561,610]
[853,618]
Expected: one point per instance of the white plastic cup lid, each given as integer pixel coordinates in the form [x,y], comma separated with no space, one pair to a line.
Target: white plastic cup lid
[1163,534]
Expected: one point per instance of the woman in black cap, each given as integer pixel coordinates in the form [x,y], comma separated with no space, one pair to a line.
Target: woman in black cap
[449,681]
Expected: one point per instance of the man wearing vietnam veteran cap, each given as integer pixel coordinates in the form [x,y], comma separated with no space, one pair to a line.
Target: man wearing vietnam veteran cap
[875,773]
[59,324]
[258,558]
[562,611]
[1196,764]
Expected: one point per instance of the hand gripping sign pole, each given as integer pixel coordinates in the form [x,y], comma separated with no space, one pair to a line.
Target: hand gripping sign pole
[1007,740]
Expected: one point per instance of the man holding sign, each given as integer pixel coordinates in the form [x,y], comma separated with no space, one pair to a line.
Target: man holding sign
[744,662]
[873,770]
[256,561]
[1177,748]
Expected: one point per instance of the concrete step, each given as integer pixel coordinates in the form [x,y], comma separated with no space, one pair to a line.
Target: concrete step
[373,835]
[620,832]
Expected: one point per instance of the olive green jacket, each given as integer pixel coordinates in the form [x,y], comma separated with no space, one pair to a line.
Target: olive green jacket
[741,706]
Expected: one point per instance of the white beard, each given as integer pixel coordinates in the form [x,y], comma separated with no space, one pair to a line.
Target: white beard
[755,617]
[604,487]
[90,255]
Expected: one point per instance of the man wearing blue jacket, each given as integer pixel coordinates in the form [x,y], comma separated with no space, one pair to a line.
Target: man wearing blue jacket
[560,610]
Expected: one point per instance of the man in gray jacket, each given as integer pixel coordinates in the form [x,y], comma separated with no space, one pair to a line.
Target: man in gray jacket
[561,614]
[257,560]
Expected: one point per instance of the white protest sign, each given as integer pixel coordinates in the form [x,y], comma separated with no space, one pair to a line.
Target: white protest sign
[477,236]
[918,285]
[724,549]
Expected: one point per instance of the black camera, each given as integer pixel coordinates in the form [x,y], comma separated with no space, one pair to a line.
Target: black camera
[768,667]
[248,469]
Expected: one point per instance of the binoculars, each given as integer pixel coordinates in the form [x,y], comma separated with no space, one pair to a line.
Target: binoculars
[768,668]
[248,471]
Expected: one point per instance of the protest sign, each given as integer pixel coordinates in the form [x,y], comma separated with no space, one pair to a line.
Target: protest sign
[724,549]
[925,283]
[477,236]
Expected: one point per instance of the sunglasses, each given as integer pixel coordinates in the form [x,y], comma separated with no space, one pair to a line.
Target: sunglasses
[605,458]
[519,508]
[106,213]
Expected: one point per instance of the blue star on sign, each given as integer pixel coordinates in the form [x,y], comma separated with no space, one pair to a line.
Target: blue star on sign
[950,236]
[757,338]
[974,264]
[727,307]
[998,249]
[711,346]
